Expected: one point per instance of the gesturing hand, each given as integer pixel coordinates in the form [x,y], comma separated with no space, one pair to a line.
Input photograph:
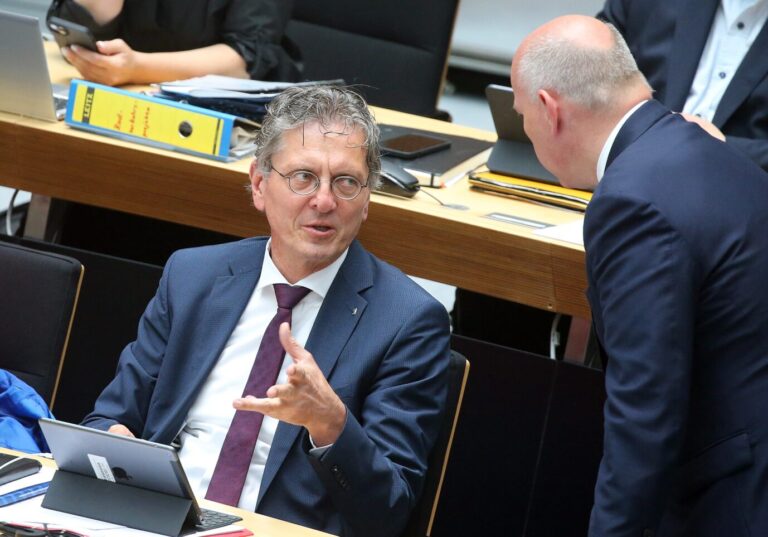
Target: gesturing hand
[306,398]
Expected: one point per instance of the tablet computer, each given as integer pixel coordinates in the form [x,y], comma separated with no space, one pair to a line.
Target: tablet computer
[129,462]
[513,153]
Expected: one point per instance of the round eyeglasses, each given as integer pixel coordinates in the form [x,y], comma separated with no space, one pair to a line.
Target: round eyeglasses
[304,183]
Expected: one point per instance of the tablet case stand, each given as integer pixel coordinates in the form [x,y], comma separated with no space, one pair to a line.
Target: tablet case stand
[113,502]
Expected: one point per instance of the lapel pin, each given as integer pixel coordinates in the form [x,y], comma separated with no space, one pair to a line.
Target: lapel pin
[354,311]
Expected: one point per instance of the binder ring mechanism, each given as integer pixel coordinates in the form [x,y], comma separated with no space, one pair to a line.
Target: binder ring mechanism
[185,129]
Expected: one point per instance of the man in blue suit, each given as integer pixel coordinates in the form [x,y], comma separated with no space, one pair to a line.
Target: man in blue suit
[706,58]
[677,252]
[354,413]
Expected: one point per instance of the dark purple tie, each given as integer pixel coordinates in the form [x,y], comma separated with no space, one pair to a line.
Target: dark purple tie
[235,457]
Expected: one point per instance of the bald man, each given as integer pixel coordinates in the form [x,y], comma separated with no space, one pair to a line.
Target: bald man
[677,253]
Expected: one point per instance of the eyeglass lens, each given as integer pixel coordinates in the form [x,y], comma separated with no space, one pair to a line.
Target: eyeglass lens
[304,183]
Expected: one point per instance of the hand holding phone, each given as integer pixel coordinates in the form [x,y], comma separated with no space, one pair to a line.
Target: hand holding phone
[68,33]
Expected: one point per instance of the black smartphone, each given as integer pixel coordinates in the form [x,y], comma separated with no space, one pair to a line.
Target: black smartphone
[68,33]
[13,467]
[413,145]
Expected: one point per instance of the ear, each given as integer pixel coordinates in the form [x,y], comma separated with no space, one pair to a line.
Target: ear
[552,110]
[257,184]
[365,208]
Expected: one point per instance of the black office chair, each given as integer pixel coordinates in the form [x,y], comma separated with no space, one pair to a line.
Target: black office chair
[423,517]
[38,296]
[395,51]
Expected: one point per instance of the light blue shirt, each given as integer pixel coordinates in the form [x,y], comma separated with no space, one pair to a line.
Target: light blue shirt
[737,23]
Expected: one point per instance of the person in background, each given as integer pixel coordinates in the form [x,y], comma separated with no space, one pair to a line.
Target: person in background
[351,412]
[676,257]
[705,58]
[147,41]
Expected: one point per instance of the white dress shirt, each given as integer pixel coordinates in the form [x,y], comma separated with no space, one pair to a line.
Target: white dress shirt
[211,414]
[735,27]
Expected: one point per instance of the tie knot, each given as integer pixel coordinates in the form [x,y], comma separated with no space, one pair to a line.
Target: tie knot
[288,296]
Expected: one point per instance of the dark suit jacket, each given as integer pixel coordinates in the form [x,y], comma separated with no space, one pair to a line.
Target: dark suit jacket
[381,341]
[667,38]
[676,237]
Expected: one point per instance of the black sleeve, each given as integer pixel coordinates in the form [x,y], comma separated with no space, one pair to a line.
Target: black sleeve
[615,12]
[74,12]
[255,29]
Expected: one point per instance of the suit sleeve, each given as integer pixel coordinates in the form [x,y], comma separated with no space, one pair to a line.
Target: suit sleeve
[127,397]
[643,294]
[376,467]
[755,148]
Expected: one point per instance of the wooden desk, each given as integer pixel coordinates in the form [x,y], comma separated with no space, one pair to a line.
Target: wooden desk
[260,525]
[461,248]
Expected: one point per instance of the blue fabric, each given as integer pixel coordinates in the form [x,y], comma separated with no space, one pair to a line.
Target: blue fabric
[381,341]
[20,408]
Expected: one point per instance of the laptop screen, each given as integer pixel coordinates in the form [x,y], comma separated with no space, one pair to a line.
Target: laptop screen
[28,92]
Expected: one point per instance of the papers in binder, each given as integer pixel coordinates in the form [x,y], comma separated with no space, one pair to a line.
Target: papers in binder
[237,96]
[160,123]
[228,83]
[531,190]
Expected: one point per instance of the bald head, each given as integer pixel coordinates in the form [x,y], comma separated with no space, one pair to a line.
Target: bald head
[581,59]
[574,78]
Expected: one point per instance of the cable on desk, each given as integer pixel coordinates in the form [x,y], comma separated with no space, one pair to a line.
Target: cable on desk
[456,206]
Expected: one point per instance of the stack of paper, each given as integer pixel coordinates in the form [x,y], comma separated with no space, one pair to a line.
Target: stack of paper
[237,96]
[532,190]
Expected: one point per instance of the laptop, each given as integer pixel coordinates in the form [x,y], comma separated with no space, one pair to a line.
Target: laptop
[513,153]
[127,462]
[25,86]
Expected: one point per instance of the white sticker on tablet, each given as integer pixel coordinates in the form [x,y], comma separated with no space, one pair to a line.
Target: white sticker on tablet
[101,468]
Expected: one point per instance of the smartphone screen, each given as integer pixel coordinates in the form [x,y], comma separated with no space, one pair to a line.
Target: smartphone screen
[413,145]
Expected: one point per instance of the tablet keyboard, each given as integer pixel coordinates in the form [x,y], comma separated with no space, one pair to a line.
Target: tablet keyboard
[211,519]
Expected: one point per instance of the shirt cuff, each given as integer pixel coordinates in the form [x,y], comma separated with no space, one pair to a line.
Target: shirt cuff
[318,451]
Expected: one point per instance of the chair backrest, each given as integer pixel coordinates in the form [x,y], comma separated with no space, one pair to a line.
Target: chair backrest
[38,296]
[396,51]
[423,516]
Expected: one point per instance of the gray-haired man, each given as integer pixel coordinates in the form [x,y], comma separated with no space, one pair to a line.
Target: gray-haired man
[350,421]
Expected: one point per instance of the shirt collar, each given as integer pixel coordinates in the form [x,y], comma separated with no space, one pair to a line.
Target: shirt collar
[318,282]
[734,9]
[602,160]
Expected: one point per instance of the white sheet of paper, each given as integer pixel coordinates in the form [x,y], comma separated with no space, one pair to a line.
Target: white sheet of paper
[218,82]
[569,232]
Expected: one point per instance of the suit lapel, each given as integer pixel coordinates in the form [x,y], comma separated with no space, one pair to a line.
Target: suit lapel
[336,321]
[220,313]
[694,20]
[752,70]
[639,122]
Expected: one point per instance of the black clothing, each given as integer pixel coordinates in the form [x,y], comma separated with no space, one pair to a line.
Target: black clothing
[253,28]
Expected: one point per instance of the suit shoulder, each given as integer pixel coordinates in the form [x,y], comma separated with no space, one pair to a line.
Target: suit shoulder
[395,286]
[212,254]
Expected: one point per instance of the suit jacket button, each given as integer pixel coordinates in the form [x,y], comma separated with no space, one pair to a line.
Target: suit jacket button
[334,469]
